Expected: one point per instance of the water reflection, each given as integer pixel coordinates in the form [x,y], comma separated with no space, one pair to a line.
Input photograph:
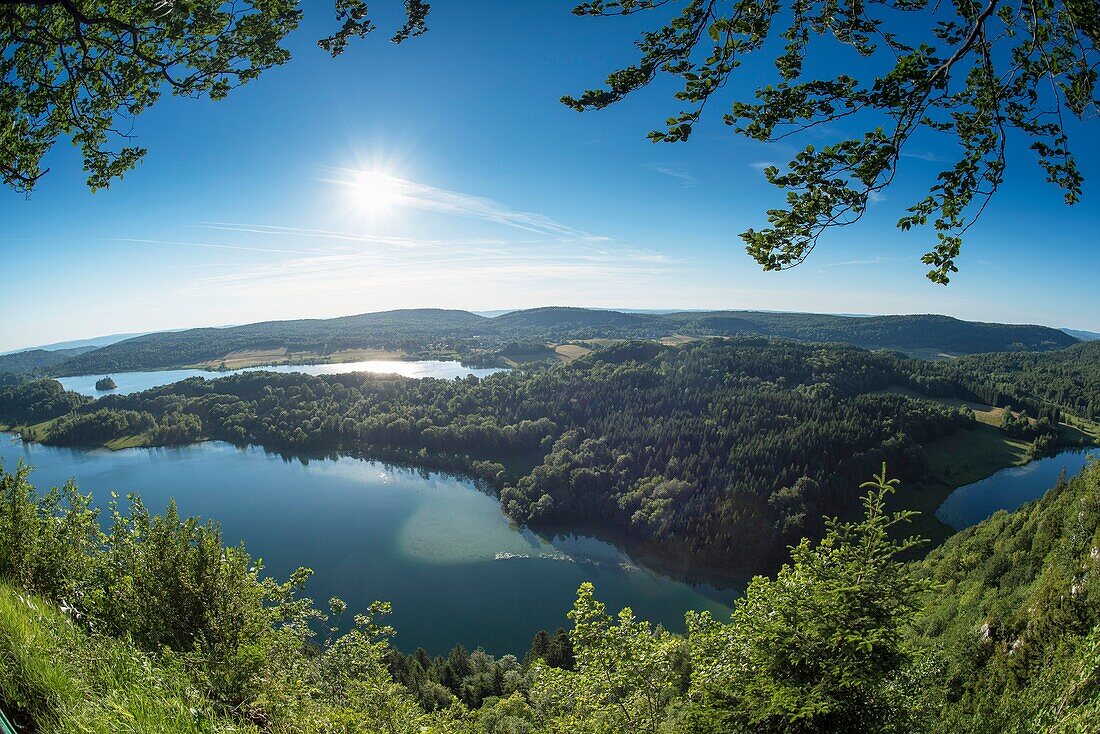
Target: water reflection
[129,382]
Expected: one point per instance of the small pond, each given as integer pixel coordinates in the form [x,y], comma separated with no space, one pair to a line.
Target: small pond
[1008,489]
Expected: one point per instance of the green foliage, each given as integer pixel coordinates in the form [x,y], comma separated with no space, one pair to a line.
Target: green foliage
[979,73]
[812,649]
[34,360]
[37,401]
[79,71]
[624,678]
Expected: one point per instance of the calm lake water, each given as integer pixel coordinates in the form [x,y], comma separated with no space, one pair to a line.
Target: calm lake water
[129,382]
[1008,489]
[435,546]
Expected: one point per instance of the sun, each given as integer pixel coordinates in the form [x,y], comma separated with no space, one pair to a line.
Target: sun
[376,194]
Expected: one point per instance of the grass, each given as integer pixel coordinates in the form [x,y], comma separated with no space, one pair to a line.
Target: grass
[929,354]
[266,357]
[569,352]
[675,340]
[37,433]
[56,679]
[962,458]
[136,441]
[969,455]
[986,414]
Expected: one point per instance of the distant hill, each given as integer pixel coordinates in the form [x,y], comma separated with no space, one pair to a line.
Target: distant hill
[34,360]
[408,330]
[440,332]
[920,334]
[1085,336]
[86,344]
[573,322]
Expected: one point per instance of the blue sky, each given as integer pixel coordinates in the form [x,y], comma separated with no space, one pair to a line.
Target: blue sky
[493,195]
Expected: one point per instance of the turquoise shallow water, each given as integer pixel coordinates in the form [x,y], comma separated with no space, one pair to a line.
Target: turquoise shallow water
[1008,489]
[129,382]
[453,566]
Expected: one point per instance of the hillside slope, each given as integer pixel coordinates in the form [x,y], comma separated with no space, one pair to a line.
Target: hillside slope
[1015,616]
[447,333]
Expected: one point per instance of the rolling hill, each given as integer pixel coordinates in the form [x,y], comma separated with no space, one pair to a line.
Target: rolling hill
[448,333]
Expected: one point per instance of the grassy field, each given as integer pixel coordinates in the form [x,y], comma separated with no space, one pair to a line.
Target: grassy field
[136,441]
[983,413]
[55,679]
[266,357]
[569,352]
[38,432]
[675,340]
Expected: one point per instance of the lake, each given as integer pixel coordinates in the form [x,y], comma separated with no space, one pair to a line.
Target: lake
[454,567]
[1008,489]
[129,382]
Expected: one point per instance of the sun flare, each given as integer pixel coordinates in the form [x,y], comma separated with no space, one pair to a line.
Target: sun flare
[376,194]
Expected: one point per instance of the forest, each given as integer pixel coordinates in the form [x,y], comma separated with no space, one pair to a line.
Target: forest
[434,333]
[721,452]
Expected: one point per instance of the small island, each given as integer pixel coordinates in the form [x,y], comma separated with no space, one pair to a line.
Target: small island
[105,384]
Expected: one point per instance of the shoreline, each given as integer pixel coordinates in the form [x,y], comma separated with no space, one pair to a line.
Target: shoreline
[657,557]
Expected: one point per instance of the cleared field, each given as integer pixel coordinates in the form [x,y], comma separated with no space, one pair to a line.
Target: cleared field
[983,413]
[675,340]
[974,454]
[954,461]
[602,342]
[264,357]
[246,358]
[569,352]
[348,355]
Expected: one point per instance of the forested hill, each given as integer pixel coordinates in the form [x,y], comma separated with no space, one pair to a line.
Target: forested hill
[37,359]
[921,333]
[437,333]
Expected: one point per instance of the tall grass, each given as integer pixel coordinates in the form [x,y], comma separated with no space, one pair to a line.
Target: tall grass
[55,678]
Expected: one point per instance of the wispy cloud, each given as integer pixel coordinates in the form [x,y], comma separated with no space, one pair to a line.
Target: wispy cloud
[923,156]
[877,260]
[344,263]
[415,195]
[683,176]
[273,230]
[212,246]
[761,165]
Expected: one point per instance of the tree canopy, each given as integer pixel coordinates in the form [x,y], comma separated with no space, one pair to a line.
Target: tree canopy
[83,69]
[975,73]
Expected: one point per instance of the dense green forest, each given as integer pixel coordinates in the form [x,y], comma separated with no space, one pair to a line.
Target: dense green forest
[1068,378]
[719,453]
[477,339]
[154,625]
